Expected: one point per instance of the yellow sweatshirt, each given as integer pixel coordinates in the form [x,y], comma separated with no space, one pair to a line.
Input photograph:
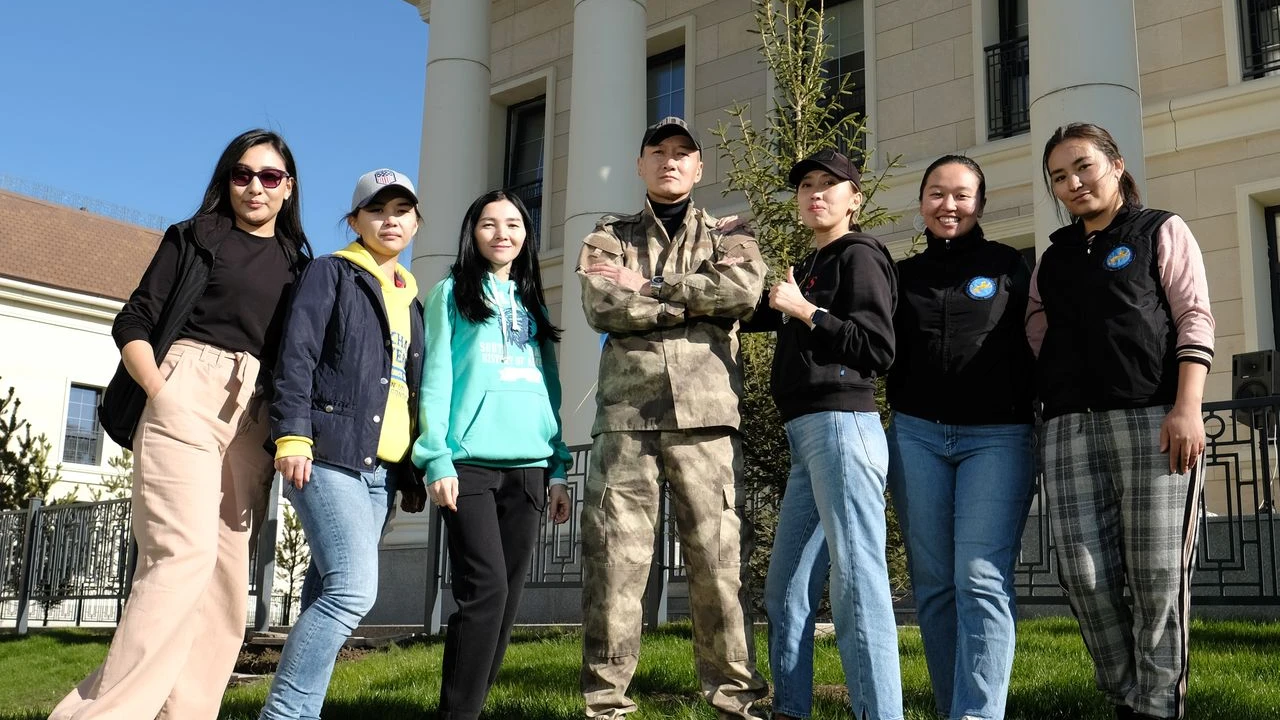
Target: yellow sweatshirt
[395,440]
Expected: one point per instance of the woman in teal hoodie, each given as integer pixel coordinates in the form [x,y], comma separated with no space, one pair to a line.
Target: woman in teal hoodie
[490,442]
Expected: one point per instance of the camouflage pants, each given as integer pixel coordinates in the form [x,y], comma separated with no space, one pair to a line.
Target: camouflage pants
[619,517]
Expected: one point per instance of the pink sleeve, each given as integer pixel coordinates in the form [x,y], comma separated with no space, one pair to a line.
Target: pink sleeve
[1181,269]
[1036,323]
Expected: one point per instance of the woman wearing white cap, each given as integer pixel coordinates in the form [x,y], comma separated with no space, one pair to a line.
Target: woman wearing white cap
[343,421]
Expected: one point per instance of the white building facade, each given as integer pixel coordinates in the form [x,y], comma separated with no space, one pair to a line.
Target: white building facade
[64,274]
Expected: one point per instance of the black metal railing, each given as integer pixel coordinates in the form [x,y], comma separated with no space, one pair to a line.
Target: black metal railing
[1238,538]
[1259,37]
[72,563]
[1008,89]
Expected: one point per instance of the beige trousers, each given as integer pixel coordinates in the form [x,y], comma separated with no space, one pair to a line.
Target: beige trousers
[200,475]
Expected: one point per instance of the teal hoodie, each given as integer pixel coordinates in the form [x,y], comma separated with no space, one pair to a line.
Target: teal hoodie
[490,392]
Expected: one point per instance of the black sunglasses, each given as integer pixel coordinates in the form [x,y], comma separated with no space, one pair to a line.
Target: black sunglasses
[269,177]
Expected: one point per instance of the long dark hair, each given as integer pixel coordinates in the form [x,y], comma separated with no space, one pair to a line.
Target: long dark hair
[470,268]
[967,162]
[1100,139]
[217,200]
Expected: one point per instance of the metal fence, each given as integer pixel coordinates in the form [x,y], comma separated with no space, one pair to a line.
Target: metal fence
[1259,37]
[1008,89]
[71,563]
[1237,559]
[1237,543]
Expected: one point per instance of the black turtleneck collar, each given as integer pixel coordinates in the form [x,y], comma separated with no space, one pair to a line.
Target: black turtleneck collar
[670,215]
[971,239]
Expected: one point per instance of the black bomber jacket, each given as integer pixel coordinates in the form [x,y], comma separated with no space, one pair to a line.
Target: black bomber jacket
[962,352]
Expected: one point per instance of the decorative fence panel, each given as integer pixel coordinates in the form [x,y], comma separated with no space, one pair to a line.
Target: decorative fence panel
[71,564]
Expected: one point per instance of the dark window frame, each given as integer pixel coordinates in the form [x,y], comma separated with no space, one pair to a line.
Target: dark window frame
[671,62]
[73,437]
[833,69]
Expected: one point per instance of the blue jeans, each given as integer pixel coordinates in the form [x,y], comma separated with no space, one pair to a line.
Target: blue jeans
[962,494]
[342,513]
[832,517]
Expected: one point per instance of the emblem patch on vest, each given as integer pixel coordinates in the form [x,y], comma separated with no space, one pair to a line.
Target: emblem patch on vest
[981,288]
[1119,257]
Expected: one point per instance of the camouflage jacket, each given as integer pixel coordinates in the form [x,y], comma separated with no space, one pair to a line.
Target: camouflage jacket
[670,362]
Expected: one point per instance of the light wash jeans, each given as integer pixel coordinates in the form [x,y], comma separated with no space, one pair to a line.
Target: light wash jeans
[342,513]
[962,494]
[832,517]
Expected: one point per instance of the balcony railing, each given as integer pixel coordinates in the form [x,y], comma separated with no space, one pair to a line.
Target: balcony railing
[1259,38]
[1008,93]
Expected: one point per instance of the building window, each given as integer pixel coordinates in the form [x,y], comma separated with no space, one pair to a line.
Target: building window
[844,30]
[1259,37]
[82,443]
[665,85]
[1009,74]
[526,130]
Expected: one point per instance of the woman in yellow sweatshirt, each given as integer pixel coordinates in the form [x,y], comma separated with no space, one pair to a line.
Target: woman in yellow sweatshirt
[343,421]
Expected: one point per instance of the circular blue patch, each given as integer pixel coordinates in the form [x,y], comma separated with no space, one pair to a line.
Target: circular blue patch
[981,288]
[1119,257]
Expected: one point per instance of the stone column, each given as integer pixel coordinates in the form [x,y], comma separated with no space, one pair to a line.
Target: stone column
[455,131]
[453,171]
[1084,67]
[606,121]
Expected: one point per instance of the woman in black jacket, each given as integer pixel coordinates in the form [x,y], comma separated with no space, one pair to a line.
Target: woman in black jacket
[834,318]
[343,420]
[1119,315]
[195,336]
[960,469]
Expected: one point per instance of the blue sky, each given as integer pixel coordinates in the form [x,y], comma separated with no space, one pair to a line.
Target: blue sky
[130,103]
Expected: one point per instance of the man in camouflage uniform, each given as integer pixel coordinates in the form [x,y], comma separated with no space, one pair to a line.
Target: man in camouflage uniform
[668,288]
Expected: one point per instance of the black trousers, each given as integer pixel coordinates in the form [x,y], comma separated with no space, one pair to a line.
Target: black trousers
[491,539]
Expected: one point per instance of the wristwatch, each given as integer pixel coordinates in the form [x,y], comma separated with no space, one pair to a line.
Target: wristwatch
[818,312]
[655,285]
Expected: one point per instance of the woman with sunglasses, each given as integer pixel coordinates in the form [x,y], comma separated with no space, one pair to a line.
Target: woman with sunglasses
[214,294]
[491,435]
[353,339]
[834,319]
[960,463]
[1119,318]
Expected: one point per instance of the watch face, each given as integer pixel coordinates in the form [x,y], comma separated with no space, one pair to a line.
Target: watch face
[655,280]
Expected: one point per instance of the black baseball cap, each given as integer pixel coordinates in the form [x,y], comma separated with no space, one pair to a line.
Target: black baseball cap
[665,128]
[831,161]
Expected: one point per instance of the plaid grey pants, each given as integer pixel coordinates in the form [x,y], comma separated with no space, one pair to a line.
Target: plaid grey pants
[1122,520]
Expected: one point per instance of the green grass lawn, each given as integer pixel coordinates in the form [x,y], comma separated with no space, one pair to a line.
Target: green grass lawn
[1235,675]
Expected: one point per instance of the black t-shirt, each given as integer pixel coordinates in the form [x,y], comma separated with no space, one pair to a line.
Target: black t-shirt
[242,309]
